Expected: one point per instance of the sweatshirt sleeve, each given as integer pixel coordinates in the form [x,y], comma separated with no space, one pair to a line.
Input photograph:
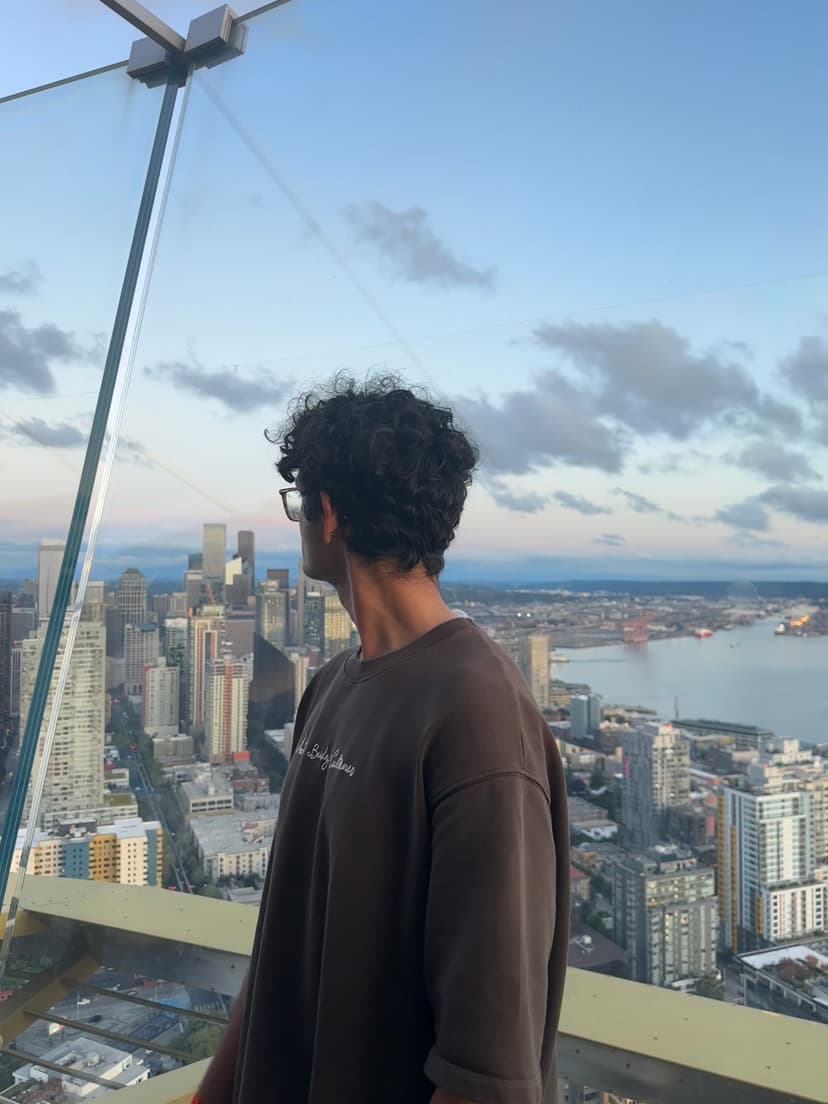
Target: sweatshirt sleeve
[490,924]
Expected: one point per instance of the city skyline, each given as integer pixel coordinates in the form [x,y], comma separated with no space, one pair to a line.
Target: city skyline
[640,351]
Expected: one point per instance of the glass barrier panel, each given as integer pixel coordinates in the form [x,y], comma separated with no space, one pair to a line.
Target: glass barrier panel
[70,197]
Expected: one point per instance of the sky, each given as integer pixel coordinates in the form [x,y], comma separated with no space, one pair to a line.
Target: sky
[598,231]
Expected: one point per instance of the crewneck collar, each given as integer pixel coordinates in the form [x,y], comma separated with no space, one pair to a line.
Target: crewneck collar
[358,669]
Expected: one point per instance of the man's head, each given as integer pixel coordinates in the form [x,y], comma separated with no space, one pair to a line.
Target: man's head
[383,476]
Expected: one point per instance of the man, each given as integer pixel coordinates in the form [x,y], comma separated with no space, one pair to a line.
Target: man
[412,939]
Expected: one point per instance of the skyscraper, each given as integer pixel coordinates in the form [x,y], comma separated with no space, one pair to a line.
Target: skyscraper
[131,597]
[175,653]
[656,778]
[272,610]
[247,550]
[203,642]
[665,915]
[75,776]
[338,626]
[140,650]
[301,590]
[215,551]
[49,559]
[14,684]
[160,699]
[225,722]
[578,717]
[193,581]
[94,603]
[5,668]
[236,582]
[161,607]
[314,620]
[534,662]
[767,890]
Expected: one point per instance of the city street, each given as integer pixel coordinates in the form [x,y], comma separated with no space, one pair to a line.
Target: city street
[134,760]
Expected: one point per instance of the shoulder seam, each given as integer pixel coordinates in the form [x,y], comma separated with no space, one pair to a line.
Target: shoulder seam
[489,776]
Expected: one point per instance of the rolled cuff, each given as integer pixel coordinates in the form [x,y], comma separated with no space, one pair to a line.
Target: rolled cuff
[478,1087]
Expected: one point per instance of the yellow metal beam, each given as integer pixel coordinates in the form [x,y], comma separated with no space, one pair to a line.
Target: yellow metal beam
[157,913]
[687,1048]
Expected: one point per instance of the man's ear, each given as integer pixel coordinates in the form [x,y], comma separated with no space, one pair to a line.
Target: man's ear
[330,518]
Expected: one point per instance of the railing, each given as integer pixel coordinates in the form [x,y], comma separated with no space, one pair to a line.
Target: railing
[646,1043]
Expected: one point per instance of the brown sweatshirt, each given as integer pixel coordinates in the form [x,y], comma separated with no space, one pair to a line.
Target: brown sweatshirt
[414,926]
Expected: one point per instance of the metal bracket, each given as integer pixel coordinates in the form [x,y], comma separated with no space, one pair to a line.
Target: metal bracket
[213,38]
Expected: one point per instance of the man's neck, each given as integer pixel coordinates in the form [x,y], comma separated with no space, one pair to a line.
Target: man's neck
[391,610]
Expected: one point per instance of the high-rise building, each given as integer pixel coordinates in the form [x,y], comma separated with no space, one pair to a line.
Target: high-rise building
[301,591]
[175,653]
[178,606]
[5,668]
[94,602]
[114,631]
[338,626]
[75,775]
[279,575]
[665,915]
[595,713]
[49,559]
[534,662]
[301,675]
[225,722]
[247,550]
[14,683]
[193,582]
[767,889]
[314,620]
[656,779]
[215,551]
[161,699]
[272,612]
[578,717]
[195,561]
[203,642]
[236,582]
[141,645]
[161,607]
[131,597]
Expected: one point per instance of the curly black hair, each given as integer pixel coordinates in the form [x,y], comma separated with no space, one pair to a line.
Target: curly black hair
[395,465]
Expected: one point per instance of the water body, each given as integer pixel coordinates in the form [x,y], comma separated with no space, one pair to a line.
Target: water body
[779,683]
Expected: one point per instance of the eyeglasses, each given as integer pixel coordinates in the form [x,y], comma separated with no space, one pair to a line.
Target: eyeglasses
[292,502]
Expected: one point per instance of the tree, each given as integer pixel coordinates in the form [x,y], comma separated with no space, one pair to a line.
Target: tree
[710,987]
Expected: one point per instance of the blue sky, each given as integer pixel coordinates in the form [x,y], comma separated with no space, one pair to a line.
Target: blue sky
[598,230]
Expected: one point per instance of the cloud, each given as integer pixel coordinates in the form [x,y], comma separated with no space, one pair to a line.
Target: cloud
[411,248]
[27,354]
[239,393]
[20,281]
[806,370]
[646,376]
[526,503]
[610,540]
[745,539]
[549,422]
[59,435]
[776,462]
[805,503]
[580,504]
[750,514]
